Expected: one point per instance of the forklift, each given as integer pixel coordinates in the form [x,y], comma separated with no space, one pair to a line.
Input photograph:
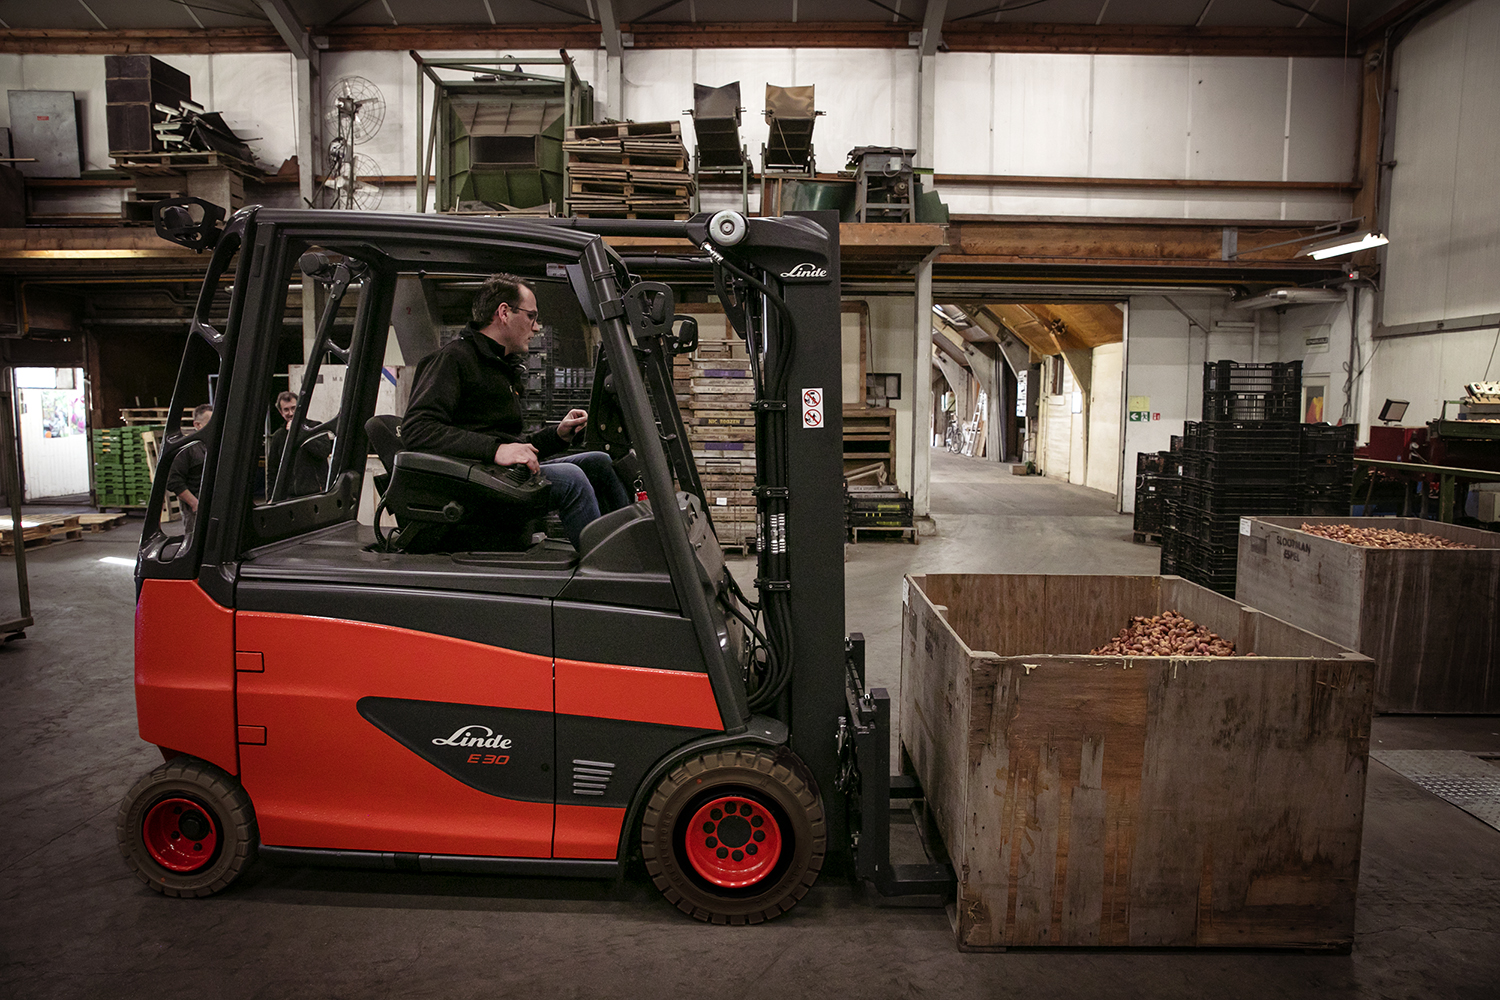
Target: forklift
[325,692]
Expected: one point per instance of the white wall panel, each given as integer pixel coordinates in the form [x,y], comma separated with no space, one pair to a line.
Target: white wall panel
[861,90]
[256,93]
[1237,117]
[1041,123]
[1475,236]
[1444,217]
[1430,368]
[1140,116]
[1324,123]
[964,138]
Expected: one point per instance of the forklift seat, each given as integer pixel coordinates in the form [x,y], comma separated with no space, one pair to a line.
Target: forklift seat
[444,504]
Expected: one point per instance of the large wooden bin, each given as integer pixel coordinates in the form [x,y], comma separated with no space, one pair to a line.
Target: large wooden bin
[1427,617]
[1096,800]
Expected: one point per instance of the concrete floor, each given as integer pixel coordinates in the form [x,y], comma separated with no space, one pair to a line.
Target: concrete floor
[75,923]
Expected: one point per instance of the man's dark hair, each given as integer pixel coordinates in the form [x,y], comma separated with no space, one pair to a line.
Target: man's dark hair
[497,289]
[286,397]
[201,409]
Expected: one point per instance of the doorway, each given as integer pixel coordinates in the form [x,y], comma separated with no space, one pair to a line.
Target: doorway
[51,417]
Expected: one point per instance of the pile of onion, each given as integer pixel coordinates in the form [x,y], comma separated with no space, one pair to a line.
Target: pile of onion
[1383,538]
[1166,634]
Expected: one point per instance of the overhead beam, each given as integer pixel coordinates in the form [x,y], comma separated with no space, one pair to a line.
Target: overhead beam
[932,26]
[614,60]
[289,28]
[1102,39]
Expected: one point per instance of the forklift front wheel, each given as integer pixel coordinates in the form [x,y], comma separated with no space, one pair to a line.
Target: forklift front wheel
[734,837]
[187,828]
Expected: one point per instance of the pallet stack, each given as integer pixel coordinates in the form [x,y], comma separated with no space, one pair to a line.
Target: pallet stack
[1242,459]
[884,509]
[122,474]
[628,170]
[715,392]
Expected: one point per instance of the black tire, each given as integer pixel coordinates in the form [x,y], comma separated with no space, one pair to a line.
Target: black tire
[772,793]
[187,828]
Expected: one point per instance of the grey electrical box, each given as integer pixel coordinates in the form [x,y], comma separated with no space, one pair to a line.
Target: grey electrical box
[44,125]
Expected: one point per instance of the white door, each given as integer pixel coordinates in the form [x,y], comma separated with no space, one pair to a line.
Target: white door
[53,437]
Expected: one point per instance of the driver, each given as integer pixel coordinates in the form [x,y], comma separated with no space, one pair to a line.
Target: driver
[465,403]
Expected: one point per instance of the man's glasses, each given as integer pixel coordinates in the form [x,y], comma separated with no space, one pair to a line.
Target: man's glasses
[530,314]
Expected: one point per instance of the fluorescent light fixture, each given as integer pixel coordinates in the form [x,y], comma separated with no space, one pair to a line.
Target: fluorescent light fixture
[1289,297]
[118,561]
[1340,245]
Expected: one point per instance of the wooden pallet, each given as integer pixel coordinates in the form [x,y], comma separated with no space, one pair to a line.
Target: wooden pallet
[39,531]
[172,164]
[131,416]
[96,523]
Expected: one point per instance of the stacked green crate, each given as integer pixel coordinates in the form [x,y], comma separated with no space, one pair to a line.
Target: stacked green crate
[121,476]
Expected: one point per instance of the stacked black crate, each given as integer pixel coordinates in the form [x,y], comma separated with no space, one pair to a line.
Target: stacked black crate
[1327,469]
[1170,486]
[1157,475]
[1242,460]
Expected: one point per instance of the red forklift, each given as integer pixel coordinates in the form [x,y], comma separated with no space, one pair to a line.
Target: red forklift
[326,692]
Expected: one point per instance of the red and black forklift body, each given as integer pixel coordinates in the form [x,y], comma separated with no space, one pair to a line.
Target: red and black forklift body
[321,697]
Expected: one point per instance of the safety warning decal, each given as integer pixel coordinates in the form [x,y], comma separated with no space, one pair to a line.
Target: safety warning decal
[812,407]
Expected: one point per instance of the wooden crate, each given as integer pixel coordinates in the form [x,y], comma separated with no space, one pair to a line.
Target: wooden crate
[1144,801]
[1427,617]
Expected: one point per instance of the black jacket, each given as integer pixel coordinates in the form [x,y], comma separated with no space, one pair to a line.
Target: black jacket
[466,402]
[309,467]
[187,469]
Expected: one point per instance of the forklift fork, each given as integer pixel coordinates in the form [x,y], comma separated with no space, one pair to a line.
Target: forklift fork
[869,787]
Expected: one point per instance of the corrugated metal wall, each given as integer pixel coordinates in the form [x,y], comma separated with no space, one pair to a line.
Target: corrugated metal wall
[1444,254]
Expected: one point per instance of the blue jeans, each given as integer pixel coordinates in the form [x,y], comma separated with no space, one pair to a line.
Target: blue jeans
[583,486]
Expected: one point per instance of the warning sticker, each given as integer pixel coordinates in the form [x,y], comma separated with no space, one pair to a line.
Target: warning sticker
[812,407]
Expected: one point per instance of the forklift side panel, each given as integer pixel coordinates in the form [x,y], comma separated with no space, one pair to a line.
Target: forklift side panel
[327,777]
[628,636]
[184,672]
[637,694]
[587,832]
[520,623]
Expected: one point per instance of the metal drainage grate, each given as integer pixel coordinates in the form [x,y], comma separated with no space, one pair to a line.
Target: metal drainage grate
[1467,780]
[591,777]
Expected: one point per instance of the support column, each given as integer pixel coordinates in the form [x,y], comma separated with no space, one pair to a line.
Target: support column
[921,402]
[614,52]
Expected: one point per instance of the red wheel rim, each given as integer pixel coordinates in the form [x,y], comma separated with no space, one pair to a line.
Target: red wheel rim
[180,835]
[733,841]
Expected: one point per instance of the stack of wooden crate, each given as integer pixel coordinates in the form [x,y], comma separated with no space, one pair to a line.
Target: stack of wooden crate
[715,392]
[628,170]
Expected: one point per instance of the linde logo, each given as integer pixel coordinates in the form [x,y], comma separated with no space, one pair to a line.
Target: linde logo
[468,737]
[805,270]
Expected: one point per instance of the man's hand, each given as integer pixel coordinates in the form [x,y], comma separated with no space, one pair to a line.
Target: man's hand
[569,425]
[518,453]
[186,496]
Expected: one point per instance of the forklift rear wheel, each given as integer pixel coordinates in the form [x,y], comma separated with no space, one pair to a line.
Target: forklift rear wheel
[734,837]
[187,828]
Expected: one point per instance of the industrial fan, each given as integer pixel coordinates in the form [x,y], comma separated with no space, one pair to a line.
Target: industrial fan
[356,110]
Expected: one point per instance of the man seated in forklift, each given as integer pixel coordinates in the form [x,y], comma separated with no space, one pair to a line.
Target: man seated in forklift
[465,403]
[310,461]
[185,477]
